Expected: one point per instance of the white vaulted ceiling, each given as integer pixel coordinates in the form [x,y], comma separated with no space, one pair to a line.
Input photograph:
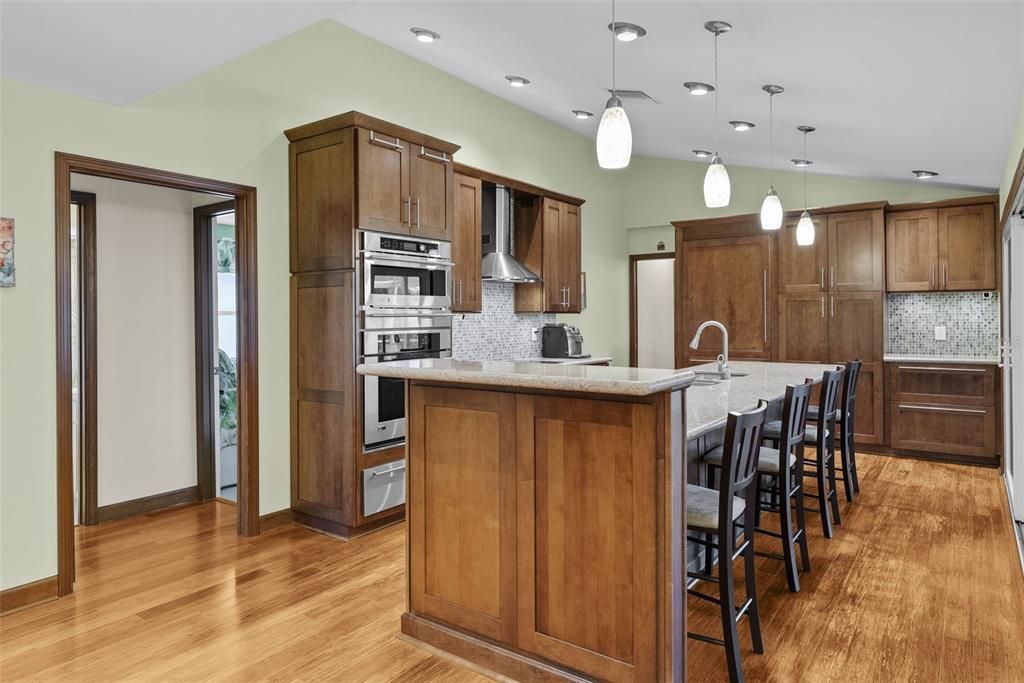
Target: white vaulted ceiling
[891,86]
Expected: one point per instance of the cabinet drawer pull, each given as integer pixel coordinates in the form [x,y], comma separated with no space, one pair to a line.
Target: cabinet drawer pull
[928,368]
[936,409]
[396,468]
[424,153]
[397,144]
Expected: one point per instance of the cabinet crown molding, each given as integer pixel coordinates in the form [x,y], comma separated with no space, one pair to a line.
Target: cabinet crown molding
[360,120]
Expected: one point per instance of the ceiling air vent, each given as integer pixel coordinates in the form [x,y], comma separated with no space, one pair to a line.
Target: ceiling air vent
[634,96]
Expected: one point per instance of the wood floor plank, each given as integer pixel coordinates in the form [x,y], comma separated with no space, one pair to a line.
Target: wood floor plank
[921,583]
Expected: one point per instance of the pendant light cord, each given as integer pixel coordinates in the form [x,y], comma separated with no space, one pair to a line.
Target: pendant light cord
[613,50]
[805,170]
[771,141]
[716,93]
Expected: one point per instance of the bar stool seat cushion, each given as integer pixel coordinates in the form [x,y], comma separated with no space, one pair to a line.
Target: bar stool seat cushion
[773,430]
[767,459]
[702,507]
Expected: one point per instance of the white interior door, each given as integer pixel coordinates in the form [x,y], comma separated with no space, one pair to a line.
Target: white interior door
[655,313]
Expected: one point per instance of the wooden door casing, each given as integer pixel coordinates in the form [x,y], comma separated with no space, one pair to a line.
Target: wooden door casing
[856,251]
[912,250]
[385,201]
[462,566]
[466,245]
[803,328]
[431,177]
[803,269]
[729,280]
[580,528]
[967,247]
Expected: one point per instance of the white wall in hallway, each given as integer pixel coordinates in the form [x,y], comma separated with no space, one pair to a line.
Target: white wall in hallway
[145,339]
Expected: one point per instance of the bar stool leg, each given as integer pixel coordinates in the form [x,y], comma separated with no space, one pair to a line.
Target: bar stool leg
[833,492]
[785,526]
[727,595]
[801,525]
[847,458]
[708,561]
[749,576]
[821,475]
[853,460]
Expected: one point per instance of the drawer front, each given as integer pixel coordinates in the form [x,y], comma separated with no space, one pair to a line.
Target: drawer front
[952,430]
[383,487]
[972,385]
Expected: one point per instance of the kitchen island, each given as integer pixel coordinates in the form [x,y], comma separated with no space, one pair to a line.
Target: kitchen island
[545,509]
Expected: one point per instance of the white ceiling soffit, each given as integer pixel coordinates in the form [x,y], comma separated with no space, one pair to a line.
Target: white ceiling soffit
[891,86]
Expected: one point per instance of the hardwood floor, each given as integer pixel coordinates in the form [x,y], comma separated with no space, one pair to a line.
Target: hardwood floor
[922,582]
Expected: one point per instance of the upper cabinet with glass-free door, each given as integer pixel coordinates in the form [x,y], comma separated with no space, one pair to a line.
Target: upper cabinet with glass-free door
[946,248]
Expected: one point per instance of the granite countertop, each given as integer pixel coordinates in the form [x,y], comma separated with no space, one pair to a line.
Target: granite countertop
[934,358]
[708,406]
[598,379]
[590,360]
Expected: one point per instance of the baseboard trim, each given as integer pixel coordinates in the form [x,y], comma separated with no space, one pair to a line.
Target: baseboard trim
[28,594]
[934,457]
[343,531]
[141,506]
[276,520]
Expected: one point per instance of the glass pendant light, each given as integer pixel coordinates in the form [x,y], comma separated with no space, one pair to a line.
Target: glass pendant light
[614,136]
[717,188]
[805,228]
[771,207]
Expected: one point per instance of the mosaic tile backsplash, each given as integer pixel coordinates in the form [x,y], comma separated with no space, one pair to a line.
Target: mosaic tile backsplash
[497,332]
[971,320]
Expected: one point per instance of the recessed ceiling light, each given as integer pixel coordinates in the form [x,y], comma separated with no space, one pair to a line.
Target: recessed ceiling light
[801,163]
[702,153]
[517,81]
[425,35]
[698,88]
[741,126]
[925,175]
[582,114]
[627,32]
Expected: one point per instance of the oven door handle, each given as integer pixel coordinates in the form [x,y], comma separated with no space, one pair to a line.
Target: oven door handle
[388,259]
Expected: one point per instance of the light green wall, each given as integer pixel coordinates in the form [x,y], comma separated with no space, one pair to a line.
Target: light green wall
[1013,157]
[227,124]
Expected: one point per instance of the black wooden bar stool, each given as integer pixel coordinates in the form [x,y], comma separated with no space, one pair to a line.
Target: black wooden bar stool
[784,468]
[846,421]
[717,513]
[823,466]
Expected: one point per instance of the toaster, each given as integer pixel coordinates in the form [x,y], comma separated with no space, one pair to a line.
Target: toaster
[559,340]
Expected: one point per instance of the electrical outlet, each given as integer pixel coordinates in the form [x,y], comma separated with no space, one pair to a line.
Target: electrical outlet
[940,333]
[534,332]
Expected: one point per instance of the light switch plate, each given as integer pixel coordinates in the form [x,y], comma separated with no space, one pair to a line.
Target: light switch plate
[940,333]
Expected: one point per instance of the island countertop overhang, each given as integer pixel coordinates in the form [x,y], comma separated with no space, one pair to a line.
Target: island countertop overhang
[584,379]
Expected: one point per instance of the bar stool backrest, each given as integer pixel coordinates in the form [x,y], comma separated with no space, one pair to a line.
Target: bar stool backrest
[849,397]
[828,403]
[740,453]
[794,415]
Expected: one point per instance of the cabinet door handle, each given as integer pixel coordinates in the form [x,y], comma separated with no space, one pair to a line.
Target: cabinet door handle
[937,409]
[583,290]
[764,291]
[417,212]
[386,143]
[831,277]
[931,276]
[822,306]
[832,306]
[945,281]
[823,277]
[424,153]
[408,210]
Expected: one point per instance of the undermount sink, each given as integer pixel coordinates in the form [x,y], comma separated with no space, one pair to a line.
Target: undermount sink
[709,377]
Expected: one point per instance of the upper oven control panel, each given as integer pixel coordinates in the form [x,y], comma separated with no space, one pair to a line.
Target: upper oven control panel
[380,243]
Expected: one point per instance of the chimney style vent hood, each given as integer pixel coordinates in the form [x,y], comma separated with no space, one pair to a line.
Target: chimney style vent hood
[498,222]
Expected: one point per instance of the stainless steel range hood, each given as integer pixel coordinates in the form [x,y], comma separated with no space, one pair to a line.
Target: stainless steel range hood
[498,222]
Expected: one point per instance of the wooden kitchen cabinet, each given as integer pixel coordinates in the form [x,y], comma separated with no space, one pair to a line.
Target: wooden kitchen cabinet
[944,409]
[856,251]
[947,248]
[555,256]
[803,269]
[803,327]
[466,245]
[354,171]
[728,280]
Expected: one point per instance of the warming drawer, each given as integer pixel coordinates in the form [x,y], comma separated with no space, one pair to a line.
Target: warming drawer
[383,487]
